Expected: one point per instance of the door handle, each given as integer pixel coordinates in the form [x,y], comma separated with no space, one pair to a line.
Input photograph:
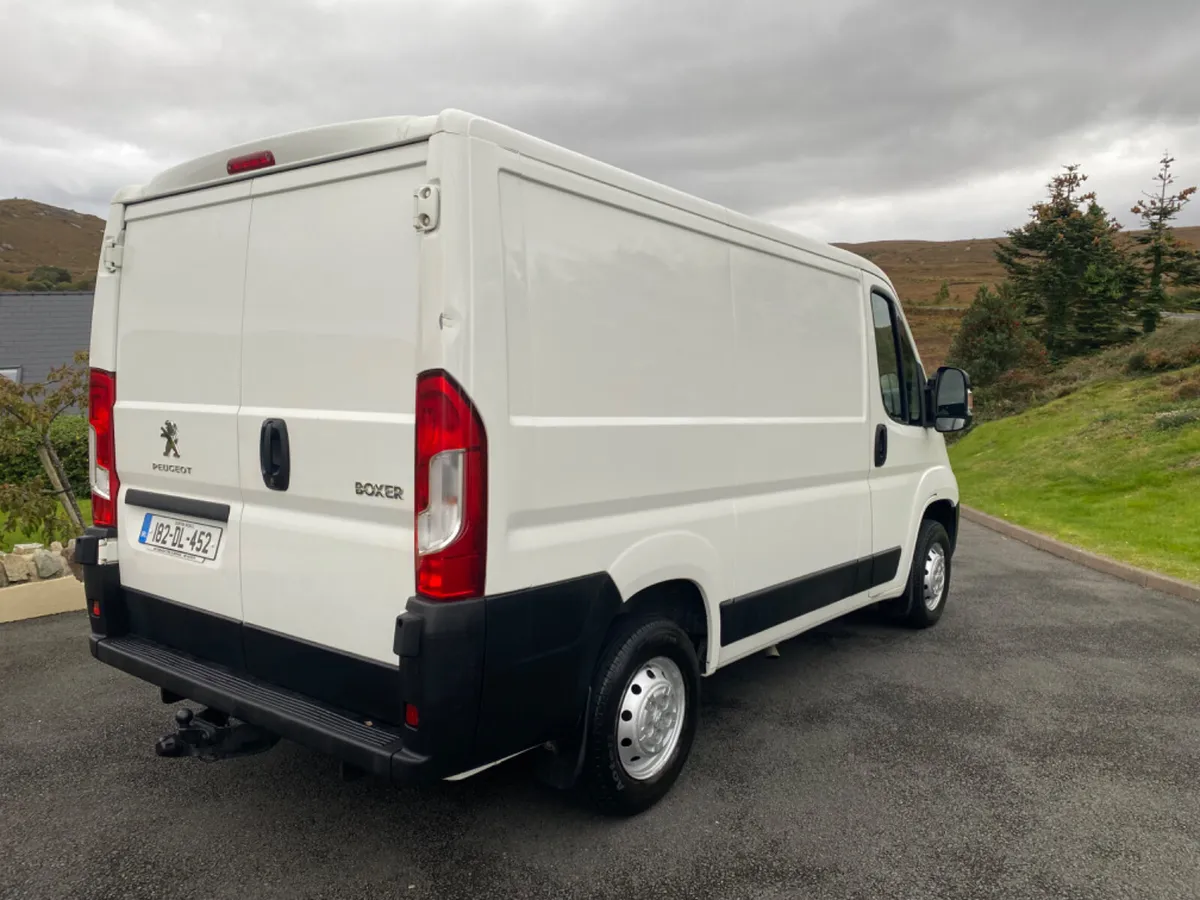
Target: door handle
[274,454]
[881,434]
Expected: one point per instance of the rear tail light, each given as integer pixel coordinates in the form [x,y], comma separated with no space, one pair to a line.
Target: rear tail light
[102,455]
[450,491]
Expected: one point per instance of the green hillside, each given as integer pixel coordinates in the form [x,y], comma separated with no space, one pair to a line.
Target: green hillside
[1113,466]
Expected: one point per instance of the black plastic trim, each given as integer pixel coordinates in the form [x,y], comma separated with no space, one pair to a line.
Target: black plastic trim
[490,677]
[87,545]
[180,506]
[102,590]
[750,614]
[342,679]
[206,635]
[540,656]
[372,746]
[445,679]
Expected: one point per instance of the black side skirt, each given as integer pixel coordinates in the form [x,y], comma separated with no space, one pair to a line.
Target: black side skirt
[750,614]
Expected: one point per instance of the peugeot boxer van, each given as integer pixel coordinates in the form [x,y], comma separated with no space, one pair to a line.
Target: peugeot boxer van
[425,443]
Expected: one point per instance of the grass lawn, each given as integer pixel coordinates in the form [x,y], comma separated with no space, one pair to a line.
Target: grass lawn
[1113,467]
[8,538]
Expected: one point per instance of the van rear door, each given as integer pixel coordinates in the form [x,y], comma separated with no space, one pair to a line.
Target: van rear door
[325,431]
[178,364]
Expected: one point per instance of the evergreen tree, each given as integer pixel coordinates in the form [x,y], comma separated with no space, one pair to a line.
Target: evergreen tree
[1068,270]
[991,339]
[1165,260]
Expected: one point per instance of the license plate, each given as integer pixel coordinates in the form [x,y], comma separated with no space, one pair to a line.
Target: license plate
[179,537]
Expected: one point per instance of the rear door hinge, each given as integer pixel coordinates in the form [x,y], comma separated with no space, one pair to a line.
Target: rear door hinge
[427,207]
[112,254]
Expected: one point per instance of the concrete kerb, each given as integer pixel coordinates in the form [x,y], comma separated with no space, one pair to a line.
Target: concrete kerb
[1141,577]
[41,598]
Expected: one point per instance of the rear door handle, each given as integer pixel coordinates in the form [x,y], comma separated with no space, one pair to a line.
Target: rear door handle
[274,454]
[880,444]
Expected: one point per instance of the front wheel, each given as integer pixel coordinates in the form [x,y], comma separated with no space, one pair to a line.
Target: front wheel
[929,578]
[643,717]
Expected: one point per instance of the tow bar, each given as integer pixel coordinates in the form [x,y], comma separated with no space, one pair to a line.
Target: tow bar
[207,735]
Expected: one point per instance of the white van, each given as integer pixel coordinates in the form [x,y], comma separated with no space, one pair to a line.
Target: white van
[424,443]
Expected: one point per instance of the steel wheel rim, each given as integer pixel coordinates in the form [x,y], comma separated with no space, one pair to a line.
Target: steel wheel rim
[650,721]
[934,582]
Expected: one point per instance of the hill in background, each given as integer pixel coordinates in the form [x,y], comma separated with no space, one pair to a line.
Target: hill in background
[34,234]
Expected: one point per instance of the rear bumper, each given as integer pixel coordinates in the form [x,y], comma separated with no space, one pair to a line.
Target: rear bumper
[489,677]
[376,748]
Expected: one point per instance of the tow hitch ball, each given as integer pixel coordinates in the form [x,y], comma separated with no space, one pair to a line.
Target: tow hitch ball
[208,735]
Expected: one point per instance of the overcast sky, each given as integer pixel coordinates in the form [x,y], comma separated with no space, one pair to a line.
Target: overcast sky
[844,119]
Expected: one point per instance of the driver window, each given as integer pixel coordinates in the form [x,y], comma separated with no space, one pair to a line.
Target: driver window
[914,377]
[890,383]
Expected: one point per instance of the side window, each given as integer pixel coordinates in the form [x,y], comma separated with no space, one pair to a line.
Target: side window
[914,378]
[901,379]
[890,383]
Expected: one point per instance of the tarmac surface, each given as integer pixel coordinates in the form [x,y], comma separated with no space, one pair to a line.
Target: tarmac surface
[1042,741]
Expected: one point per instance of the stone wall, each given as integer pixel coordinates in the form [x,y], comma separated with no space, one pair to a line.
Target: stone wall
[35,562]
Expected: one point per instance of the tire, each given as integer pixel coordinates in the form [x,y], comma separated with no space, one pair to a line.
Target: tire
[923,602]
[641,671]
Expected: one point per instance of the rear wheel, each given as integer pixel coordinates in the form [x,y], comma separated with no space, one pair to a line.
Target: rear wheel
[643,717]
[928,580]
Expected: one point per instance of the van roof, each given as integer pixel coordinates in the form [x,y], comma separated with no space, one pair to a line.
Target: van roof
[330,142]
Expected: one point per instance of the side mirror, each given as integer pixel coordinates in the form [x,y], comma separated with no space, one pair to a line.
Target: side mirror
[952,401]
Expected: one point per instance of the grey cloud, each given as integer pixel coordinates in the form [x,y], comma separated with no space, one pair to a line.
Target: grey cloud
[761,106]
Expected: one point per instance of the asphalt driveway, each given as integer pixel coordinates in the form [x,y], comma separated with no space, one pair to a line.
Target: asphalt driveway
[1042,741]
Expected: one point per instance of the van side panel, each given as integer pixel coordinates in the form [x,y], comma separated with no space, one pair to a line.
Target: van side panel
[329,347]
[619,328]
[803,454]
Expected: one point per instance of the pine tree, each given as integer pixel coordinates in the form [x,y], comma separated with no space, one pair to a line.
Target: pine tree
[1166,261]
[1068,269]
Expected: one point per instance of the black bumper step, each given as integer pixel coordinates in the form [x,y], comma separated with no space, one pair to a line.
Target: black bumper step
[376,747]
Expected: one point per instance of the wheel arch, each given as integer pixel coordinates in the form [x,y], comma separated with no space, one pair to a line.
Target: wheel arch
[936,498]
[945,513]
[678,574]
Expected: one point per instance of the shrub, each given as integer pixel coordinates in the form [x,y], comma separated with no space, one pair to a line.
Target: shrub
[1163,359]
[35,286]
[51,275]
[1188,390]
[69,434]
[1011,393]
[1176,418]
[991,339]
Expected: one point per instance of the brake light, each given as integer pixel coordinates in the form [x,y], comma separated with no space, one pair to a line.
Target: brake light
[450,491]
[261,159]
[102,455]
